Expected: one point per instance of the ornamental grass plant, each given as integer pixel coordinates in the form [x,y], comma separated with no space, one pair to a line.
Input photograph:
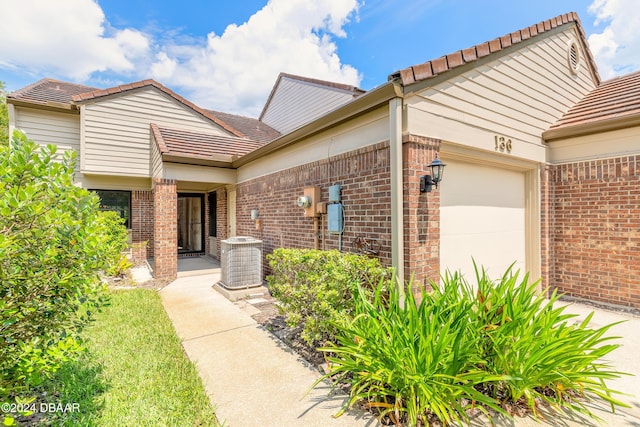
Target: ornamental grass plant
[491,346]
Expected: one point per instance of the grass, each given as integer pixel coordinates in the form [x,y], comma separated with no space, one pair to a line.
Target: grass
[134,372]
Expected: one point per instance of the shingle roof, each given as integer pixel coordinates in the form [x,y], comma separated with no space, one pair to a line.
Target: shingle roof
[445,63]
[200,146]
[253,129]
[613,99]
[47,91]
[97,93]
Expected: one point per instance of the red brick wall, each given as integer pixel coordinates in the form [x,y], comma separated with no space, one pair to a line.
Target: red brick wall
[421,212]
[594,232]
[221,226]
[165,229]
[366,197]
[142,224]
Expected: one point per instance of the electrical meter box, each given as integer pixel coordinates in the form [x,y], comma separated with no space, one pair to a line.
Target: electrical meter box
[334,193]
[335,220]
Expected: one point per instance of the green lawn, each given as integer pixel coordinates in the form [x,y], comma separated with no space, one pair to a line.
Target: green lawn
[134,373]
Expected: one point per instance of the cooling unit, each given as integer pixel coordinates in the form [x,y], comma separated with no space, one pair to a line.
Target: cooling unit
[241,262]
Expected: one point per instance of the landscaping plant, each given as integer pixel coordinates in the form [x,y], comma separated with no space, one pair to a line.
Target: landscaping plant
[51,248]
[410,361]
[317,289]
[545,354]
[491,346]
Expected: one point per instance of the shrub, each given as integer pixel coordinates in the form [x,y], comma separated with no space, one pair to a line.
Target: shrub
[50,251]
[317,288]
[113,244]
[488,346]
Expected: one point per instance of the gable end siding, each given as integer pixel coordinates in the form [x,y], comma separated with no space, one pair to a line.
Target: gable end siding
[117,135]
[296,103]
[518,96]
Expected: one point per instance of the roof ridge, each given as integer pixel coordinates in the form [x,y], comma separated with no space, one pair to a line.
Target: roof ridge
[150,82]
[447,62]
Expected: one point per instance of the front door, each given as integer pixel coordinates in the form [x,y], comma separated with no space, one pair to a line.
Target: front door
[190,216]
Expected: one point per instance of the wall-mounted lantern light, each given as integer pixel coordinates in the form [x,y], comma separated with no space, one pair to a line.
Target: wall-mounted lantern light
[437,170]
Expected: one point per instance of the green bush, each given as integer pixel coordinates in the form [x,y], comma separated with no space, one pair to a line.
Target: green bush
[317,288]
[113,244]
[487,346]
[50,252]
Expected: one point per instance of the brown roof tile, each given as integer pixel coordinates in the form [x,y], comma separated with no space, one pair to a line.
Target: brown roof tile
[199,145]
[443,64]
[613,99]
[251,128]
[47,91]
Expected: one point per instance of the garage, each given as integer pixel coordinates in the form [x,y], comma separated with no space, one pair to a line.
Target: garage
[482,216]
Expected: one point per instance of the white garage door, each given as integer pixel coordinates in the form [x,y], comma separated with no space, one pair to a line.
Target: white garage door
[482,216]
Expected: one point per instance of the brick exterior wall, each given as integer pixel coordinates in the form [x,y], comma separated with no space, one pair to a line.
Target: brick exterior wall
[364,175]
[593,231]
[142,227]
[222,230]
[421,213]
[165,200]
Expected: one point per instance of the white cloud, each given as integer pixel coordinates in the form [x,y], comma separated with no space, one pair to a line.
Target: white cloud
[235,71]
[69,38]
[232,72]
[617,47]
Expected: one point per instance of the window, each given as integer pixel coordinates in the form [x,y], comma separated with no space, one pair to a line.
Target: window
[213,214]
[117,201]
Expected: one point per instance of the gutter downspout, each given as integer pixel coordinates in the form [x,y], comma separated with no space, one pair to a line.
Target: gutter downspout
[397,201]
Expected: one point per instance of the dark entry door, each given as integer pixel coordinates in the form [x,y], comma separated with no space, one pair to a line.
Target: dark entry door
[190,225]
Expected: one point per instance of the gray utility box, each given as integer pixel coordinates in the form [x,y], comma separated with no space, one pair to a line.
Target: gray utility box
[241,262]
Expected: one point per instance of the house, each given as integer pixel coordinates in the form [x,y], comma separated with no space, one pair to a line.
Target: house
[541,164]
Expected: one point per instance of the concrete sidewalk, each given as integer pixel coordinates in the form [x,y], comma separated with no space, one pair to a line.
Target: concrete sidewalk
[250,376]
[254,380]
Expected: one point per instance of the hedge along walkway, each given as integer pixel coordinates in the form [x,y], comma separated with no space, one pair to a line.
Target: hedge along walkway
[250,376]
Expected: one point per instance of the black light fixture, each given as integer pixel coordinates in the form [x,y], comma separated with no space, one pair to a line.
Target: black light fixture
[427,181]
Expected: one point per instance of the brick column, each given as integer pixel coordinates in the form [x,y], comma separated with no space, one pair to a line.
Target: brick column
[165,236]
[421,213]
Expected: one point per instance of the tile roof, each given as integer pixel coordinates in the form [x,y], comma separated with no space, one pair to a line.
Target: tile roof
[83,97]
[445,63]
[614,99]
[199,145]
[253,129]
[48,91]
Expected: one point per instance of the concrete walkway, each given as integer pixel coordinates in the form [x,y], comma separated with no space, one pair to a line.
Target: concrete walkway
[250,376]
[254,380]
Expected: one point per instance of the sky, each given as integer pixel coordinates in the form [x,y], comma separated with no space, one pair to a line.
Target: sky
[226,55]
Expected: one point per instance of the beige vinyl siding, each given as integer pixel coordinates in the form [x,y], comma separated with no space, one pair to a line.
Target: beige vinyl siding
[156,160]
[49,127]
[295,103]
[369,129]
[602,145]
[117,130]
[517,96]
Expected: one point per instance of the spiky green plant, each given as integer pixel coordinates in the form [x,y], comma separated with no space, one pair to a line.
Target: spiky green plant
[546,355]
[410,361]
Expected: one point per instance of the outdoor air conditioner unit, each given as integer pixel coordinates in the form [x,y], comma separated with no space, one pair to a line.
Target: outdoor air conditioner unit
[241,262]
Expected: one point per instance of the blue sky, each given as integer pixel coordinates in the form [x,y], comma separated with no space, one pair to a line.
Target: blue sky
[226,55]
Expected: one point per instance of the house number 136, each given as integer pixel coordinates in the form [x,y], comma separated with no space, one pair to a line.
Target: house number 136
[503,144]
